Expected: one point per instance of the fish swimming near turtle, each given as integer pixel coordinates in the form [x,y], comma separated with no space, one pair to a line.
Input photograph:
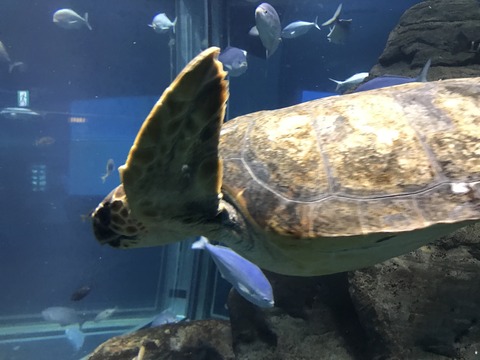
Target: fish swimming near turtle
[268,27]
[234,60]
[245,276]
[321,187]
[69,19]
[391,80]
[353,80]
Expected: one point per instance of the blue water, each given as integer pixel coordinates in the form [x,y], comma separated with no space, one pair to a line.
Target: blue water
[92,90]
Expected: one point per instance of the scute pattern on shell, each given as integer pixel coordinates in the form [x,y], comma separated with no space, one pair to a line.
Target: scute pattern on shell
[379,161]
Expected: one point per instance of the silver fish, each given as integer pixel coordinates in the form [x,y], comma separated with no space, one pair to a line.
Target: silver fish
[298,28]
[268,26]
[350,82]
[245,277]
[165,317]
[69,19]
[105,314]
[76,337]
[110,167]
[61,315]
[234,60]
[161,24]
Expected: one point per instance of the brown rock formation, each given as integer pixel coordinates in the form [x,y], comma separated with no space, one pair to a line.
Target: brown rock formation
[447,31]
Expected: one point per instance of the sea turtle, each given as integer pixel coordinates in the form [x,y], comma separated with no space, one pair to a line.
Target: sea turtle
[320,187]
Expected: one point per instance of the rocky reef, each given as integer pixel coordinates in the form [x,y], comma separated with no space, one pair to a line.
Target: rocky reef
[447,32]
[196,340]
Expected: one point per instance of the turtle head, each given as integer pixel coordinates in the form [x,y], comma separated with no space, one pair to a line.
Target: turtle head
[113,222]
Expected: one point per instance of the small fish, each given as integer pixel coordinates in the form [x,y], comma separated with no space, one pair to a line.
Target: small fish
[268,26]
[44,141]
[105,314]
[350,82]
[80,293]
[298,28]
[234,60]
[339,28]
[165,317]
[76,337]
[392,80]
[161,24]
[61,315]
[245,277]
[109,169]
[69,19]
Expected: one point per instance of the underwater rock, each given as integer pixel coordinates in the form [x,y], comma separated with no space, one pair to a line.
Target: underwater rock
[426,304]
[447,31]
[196,340]
[313,319]
[423,305]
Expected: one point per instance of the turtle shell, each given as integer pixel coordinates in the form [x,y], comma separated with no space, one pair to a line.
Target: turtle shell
[392,160]
[321,187]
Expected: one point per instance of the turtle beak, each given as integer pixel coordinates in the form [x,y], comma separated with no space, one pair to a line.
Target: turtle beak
[108,226]
[101,220]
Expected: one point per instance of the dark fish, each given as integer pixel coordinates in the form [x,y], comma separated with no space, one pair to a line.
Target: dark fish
[234,60]
[392,80]
[61,315]
[245,276]
[268,27]
[80,293]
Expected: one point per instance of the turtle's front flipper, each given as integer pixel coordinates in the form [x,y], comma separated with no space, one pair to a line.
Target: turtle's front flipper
[173,169]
